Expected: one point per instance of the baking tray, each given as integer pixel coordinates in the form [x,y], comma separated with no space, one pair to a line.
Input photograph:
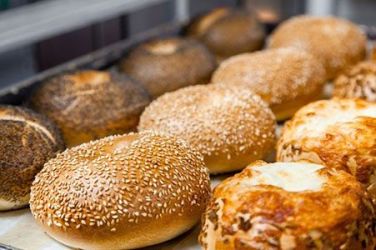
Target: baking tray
[105,58]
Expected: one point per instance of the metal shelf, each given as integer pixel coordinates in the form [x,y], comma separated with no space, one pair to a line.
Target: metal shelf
[41,20]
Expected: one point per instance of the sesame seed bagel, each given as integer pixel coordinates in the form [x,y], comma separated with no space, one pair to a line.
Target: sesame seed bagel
[227,32]
[336,42]
[340,133]
[121,192]
[27,141]
[231,127]
[358,81]
[285,78]
[89,105]
[289,206]
[165,65]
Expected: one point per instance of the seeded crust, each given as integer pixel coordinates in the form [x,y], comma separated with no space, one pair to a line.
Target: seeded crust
[336,42]
[357,82]
[89,105]
[285,78]
[231,127]
[121,192]
[227,32]
[348,145]
[27,141]
[165,65]
[242,217]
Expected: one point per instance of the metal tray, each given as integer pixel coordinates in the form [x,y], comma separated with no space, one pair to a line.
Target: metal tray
[105,58]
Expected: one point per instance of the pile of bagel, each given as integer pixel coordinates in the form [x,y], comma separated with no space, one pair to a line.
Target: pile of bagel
[122,159]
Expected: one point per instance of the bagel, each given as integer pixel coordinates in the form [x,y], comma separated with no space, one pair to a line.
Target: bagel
[358,81]
[165,65]
[231,127]
[88,105]
[336,42]
[285,78]
[339,133]
[120,191]
[27,141]
[227,32]
[289,206]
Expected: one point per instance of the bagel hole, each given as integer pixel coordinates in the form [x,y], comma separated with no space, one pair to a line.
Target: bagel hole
[91,76]
[211,18]
[163,47]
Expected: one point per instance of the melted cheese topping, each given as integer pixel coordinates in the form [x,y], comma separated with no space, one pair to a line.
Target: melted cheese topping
[318,124]
[292,177]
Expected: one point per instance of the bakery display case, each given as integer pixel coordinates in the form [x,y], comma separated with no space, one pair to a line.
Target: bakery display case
[187,124]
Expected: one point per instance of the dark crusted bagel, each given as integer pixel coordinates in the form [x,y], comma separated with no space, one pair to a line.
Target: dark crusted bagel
[227,32]
[88,105]
[168,64]
[27,141]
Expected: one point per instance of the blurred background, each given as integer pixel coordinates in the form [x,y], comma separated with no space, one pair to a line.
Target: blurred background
[38,34]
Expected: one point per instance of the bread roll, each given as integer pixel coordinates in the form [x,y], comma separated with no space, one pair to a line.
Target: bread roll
[358,81]
[340,133]
[231,127]
[164,65]
[289,206]
[121,192]
[285,78]
[89,105]
[27,141]
[336,42]
[227,32]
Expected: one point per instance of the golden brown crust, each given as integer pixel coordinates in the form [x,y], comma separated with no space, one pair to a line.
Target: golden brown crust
[227,32]
[358,81]
[118,192]
[88,105]
[168,64]
[373,53]
[340,133]
[336,42]
[241,216]
[231,127]
[285,78]
[27,141]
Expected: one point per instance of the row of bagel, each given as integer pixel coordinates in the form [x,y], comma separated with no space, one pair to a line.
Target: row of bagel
[139,189]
